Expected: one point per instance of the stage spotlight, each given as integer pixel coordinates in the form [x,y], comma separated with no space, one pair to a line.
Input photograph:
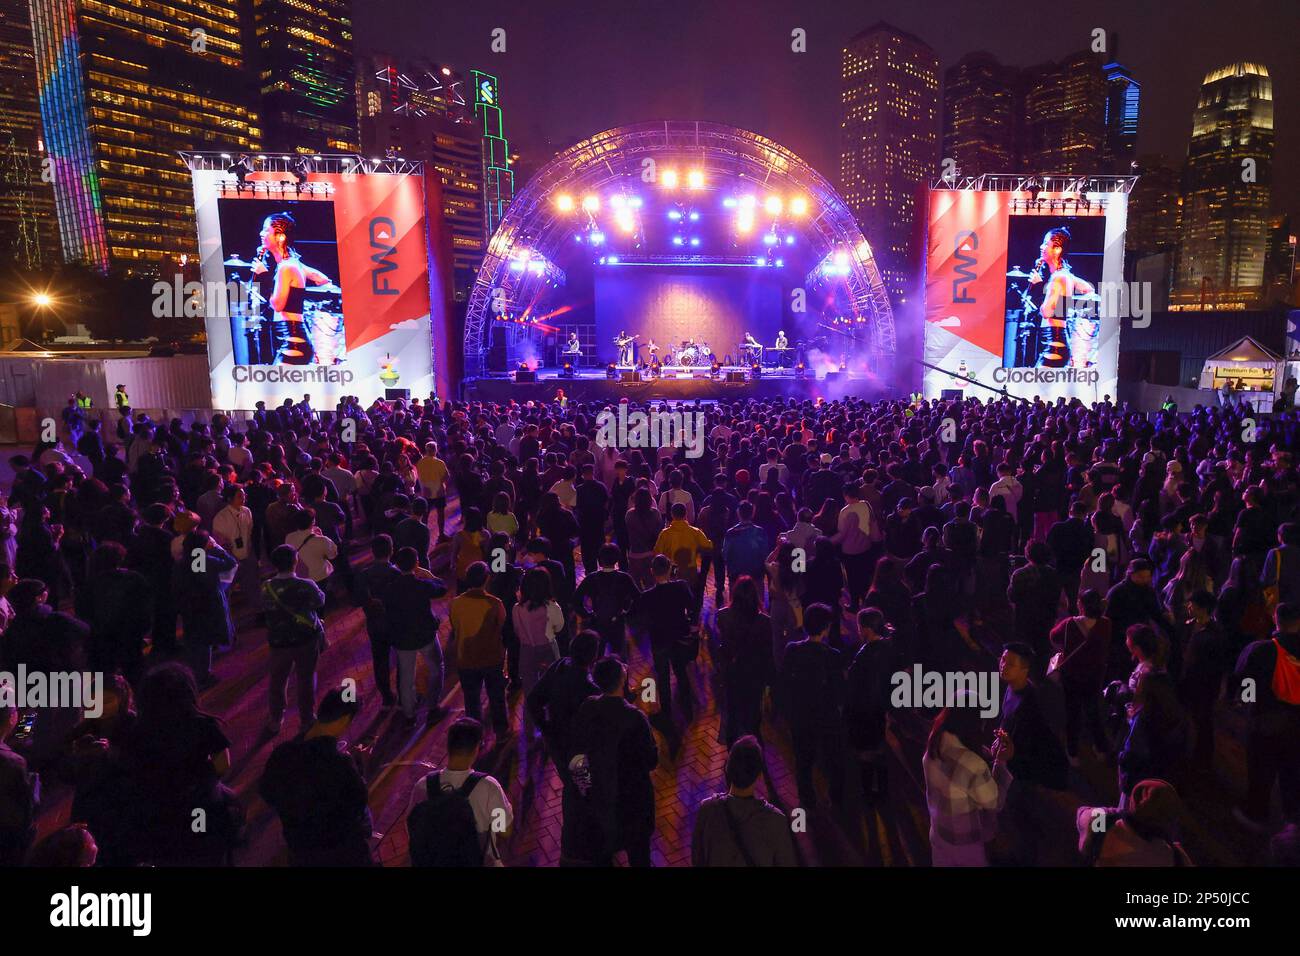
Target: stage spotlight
[780,263]
[842,260]
[755,371]
[744,222]
[567,371]
[241,168]
[759,261]
[590,204]
[864,250]
[625,220]
[800,371]
[773,205]
[798,206]
[674,215]
[695,240]
[597,238]
[695,179]
[677,240]
[301,169]
[770,239]
[617,201]
[613,260]
[669,179]
[789,240]
[611,372]
[694,216]
[564,202]
[729,202]
[635,202]
[748,202]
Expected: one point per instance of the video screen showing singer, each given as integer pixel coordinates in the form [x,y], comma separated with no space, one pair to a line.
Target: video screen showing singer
[1053,317]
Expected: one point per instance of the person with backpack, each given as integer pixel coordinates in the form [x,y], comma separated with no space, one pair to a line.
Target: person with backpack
[1142,834]
[739,828]
[295,636]
[458,816]
[1269,671]
[812,680]
[554,701]
[609,800]
[315,785]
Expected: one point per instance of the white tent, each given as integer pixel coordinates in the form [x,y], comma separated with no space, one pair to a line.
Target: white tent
[1251,368]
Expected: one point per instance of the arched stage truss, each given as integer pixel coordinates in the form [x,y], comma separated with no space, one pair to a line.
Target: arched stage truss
[724,154]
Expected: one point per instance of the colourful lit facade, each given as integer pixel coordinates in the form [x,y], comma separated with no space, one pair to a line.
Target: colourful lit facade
[123,86]
[28,229]
[498,179]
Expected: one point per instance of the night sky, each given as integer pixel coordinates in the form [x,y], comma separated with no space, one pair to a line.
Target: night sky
[574,67]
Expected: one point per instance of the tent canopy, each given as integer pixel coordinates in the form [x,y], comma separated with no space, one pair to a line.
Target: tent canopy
[1245,351]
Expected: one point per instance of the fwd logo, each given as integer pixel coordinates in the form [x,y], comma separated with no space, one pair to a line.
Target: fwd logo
[76,909]
[383,233]
[964,245]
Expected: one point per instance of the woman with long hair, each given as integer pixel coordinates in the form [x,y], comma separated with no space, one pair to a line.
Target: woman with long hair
[291,277]
[966,785]
[785,601]
[644,522]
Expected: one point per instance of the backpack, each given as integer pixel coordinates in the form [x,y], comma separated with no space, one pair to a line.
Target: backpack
[442,829]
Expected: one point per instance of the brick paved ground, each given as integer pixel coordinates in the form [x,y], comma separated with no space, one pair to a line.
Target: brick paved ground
[894,835]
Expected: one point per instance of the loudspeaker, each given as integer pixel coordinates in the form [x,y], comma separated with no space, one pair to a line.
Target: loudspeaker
[833,376]
[735,378]
[628,376]
[951,395]
[526,375]
[392,394]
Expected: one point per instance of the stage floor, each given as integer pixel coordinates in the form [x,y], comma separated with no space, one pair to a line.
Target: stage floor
[589,385]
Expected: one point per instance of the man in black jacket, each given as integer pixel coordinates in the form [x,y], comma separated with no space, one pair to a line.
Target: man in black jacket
[408,601]
[372,581]
[1132,601]
[592,512]
[1270,671]
[605,598]
[315,785]
[1071,542]
[149,552]
[812,675]
[667,611]
[554,700]
[610,800]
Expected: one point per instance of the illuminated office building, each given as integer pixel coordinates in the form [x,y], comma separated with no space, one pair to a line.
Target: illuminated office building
[1123,97]
[28,231]
[123,85]
[983,106]
[1226,191]
[1065,116]
[421,110]
[302,53]
[889,142]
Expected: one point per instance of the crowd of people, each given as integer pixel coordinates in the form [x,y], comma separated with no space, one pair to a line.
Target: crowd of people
[1130,578]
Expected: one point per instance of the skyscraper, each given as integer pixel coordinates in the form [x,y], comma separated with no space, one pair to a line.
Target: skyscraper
[889,141]
[302,52]
[28,231]
[1123,94]
[983,107]
[123,85]
[498,178]
[1226,191]
[1065,116]
[424,111]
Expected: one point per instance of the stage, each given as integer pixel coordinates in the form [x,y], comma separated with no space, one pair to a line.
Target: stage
[594,385]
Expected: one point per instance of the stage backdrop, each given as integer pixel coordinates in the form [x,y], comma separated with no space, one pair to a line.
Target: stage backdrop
[366,327]
[975,312]
[715,305]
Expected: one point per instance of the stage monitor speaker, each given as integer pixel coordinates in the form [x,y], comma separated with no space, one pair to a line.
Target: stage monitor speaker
[735,378]
[834,376]
[393,394]
[951,394]
[526,375]
[628,376]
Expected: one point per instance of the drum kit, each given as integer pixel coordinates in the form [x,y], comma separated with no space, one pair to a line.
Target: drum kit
[688,355]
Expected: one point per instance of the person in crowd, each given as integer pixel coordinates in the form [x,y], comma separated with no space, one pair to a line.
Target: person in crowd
[316,786]
[609,800]
[744,660]
[1272,668]
[605,597]
[407,601]
[477,618]
[669,615]
[294,635]
[1080,648]
[203,602]
[1143,833]
[812,678]
[739,828]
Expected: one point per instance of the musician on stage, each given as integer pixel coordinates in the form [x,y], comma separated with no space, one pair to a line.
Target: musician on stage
[291,277]
[752,348]
[1062,335]
[625,348]
[573,349]
[650,352]
[781,341]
